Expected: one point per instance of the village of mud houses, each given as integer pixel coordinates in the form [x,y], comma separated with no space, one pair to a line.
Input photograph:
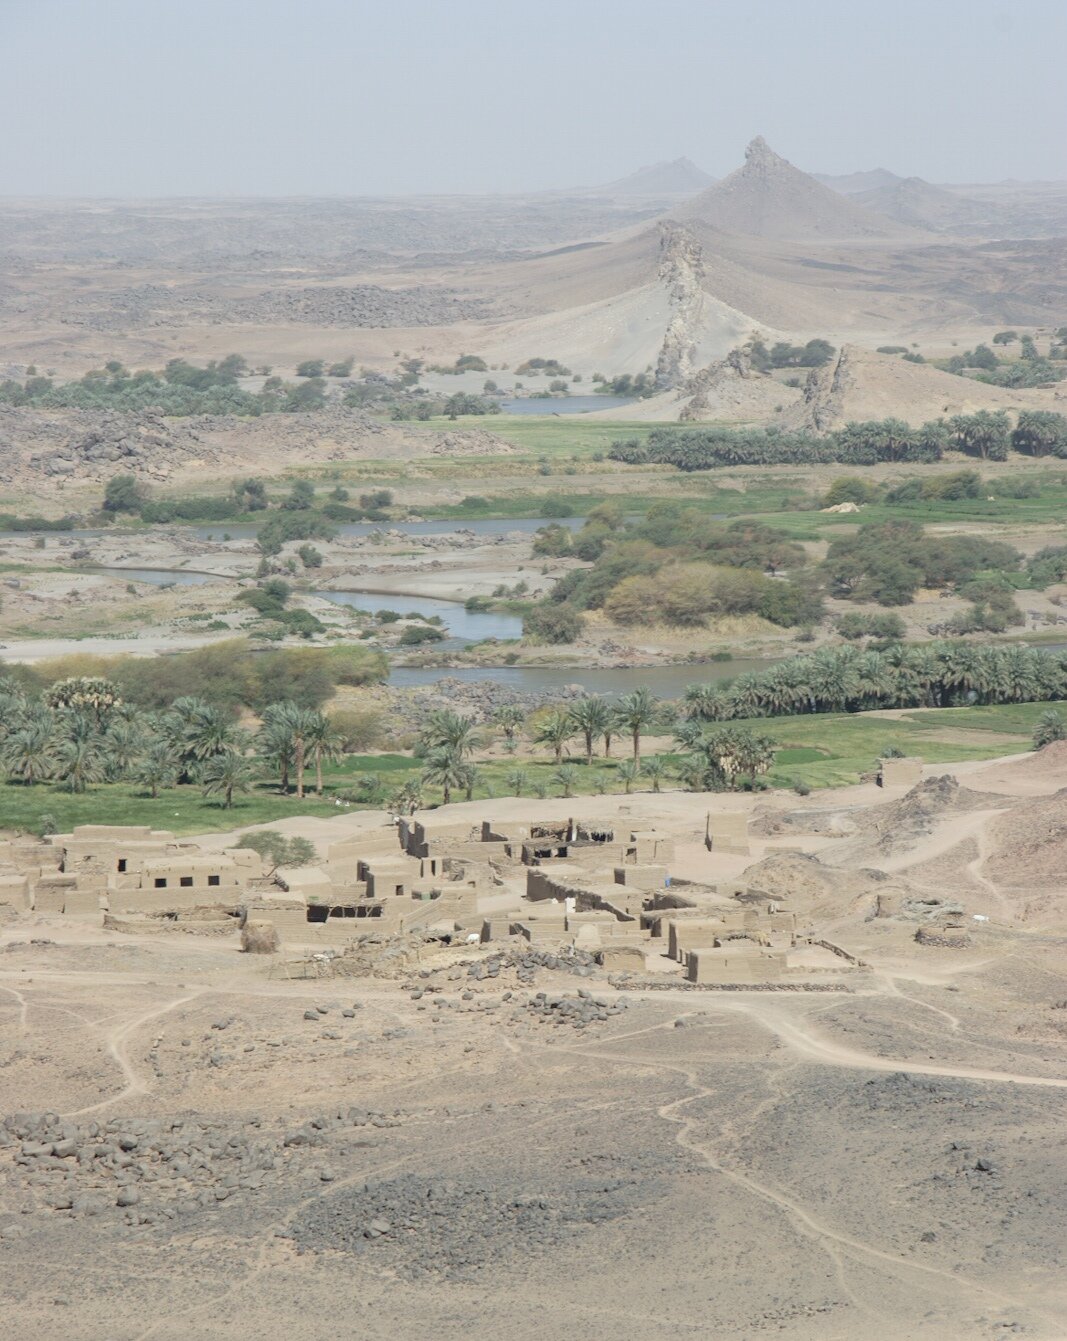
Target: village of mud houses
[533,716]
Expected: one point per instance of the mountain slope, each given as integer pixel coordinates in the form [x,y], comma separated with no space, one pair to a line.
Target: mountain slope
[769,198]
[851,183]
[920,204]
[679,177]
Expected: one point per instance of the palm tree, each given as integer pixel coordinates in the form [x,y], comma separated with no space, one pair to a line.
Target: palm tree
[157,768]
[692,773]
[634,713]
[590,716]
[566,779]
[209,731]
[655,770]
[706,702]
[27,752]
[628,772]
[446,769]
[290,729]
[274,742]
[324,743]
[77,754]
[124,742]
[516,780]
[226,773]
[448,729]
[734,751]
[555,730]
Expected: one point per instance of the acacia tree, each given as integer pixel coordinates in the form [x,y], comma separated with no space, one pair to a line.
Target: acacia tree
[277,850]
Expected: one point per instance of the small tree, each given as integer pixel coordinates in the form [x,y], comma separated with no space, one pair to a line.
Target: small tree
[629,771]
[566,779]
[122,493]
[311,368]
[300,497]
[509,718]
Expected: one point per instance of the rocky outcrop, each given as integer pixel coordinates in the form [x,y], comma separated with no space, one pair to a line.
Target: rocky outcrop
[681,272]
[59,444]
[733,389]
[858,384]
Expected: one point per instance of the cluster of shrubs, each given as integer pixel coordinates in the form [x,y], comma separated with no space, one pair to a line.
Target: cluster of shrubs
[270,598]
[542,367]
[888,562]
[181,388]
[675,565]
[954,487]
[814,354]
[298,516]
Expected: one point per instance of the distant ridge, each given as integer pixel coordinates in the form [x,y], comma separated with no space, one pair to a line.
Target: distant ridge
[852,183]
[679,177]
[921,204]
[768,197]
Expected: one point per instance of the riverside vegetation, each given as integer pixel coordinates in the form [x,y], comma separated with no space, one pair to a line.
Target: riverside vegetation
[81,737]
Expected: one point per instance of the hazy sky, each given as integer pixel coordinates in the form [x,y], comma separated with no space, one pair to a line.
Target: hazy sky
[349,97]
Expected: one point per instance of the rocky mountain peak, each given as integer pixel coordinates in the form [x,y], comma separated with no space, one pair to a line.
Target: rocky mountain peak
[759,154]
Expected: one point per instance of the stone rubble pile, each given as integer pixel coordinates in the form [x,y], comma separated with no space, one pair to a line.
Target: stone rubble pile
[419,1228]
[150,1170]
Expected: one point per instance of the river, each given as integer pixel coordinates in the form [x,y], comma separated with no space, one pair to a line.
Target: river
[664,681]
[468,625]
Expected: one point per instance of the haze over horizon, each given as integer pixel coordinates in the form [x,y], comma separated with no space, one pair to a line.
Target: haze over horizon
[333,98]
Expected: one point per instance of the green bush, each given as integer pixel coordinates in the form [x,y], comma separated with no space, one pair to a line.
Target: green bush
[549,622]
[416,634]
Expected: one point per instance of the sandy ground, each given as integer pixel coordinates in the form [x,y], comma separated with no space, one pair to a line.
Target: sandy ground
[886,1160]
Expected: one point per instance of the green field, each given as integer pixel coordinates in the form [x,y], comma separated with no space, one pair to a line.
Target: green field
[551,435]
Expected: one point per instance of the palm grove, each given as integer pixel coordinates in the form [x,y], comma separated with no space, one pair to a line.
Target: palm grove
[79,733]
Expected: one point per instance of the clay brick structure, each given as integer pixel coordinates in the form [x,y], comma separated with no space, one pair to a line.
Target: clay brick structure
[726,832]
[739,962]
[905,773]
